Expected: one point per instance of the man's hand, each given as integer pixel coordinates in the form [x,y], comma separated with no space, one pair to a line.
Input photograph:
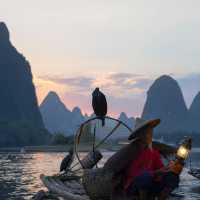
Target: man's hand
[175,167]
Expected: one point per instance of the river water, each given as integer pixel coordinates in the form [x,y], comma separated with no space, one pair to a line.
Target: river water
[20,174]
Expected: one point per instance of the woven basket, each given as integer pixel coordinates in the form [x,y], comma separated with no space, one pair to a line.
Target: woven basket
[98,184]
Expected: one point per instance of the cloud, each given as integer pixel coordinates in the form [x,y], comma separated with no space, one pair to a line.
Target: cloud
[129,81]
[122,85]
[124,91]
[116,84]
[123,76]
[75,81]
[79,84]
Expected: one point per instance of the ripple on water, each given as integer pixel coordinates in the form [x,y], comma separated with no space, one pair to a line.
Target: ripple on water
[19,175]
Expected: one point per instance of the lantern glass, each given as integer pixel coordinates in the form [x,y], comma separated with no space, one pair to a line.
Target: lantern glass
[182,152]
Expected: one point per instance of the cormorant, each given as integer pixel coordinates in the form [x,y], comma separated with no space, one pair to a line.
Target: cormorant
[99,104]
[67,161]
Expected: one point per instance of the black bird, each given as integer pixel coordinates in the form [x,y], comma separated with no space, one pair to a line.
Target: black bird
[99,104]
[67,161]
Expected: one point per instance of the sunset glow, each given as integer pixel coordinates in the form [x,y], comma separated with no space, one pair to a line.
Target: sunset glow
[120,47]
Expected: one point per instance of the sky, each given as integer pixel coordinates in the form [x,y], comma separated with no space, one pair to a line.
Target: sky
[119,46]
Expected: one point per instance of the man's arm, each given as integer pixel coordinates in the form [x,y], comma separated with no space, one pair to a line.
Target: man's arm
[161,171]
[173,166]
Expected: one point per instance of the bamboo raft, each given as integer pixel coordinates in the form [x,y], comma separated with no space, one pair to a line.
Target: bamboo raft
[69,190]
[93,184]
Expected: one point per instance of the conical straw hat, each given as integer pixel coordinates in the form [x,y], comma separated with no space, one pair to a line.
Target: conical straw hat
[141,125]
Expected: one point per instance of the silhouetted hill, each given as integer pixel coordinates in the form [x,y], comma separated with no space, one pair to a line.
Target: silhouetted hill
[18,98]
[77,117]
[130,122]
[165,101]
[194,112]
[18,102]
[57,117]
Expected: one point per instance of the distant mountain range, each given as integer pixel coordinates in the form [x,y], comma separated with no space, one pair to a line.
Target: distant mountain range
[164,100]
[22,122]
[58,118]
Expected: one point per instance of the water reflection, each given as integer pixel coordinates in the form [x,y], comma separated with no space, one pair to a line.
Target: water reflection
[20,174]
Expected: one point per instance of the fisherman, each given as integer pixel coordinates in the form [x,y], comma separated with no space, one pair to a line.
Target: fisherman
[146,174]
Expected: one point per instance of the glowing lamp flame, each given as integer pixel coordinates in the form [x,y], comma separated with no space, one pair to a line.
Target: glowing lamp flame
[182,152]
[184,149]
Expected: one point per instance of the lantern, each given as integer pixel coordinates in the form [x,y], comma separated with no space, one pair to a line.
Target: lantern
[184,149]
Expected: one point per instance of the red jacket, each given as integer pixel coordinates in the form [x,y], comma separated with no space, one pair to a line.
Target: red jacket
[147,160]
